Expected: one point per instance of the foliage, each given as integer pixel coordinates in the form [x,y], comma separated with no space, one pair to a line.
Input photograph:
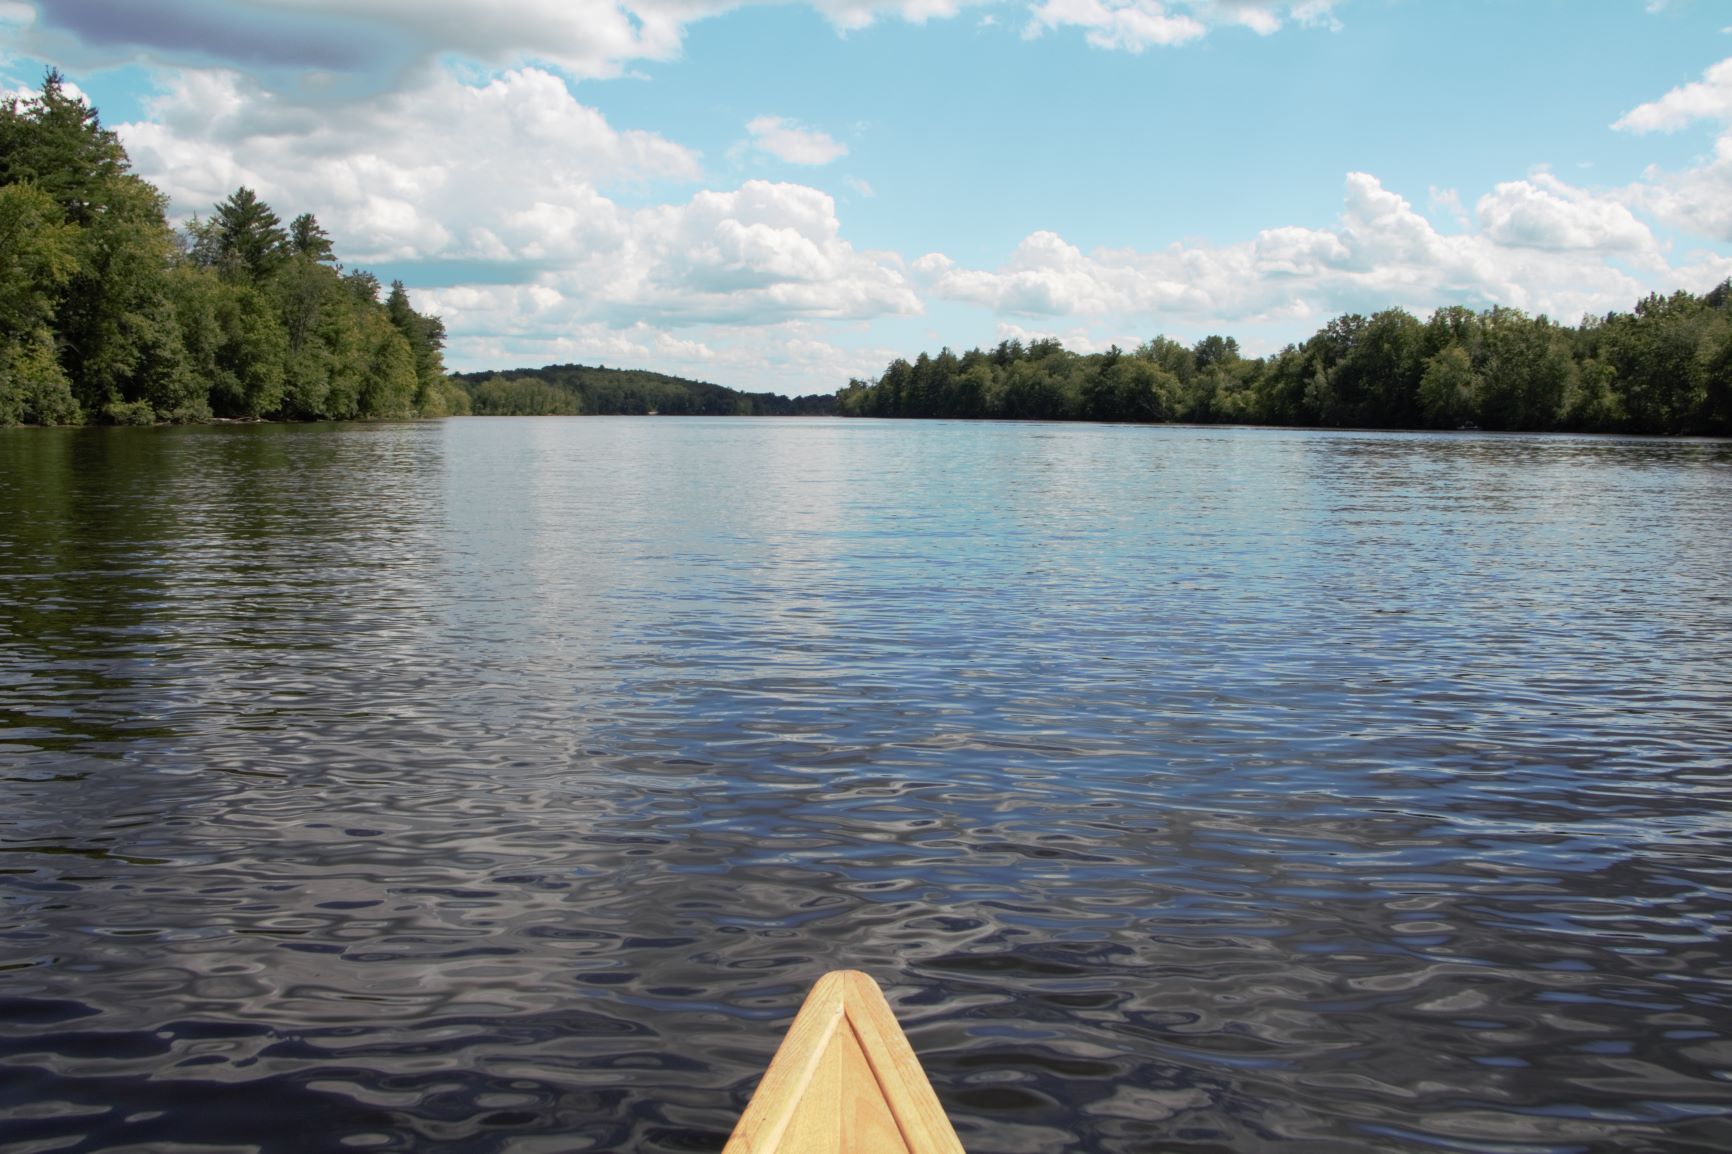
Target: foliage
[107,315]
[1665,367]
[37,259]
[569,389]
[498,396]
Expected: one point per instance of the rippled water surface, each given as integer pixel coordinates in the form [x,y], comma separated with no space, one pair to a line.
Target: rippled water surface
[501,785]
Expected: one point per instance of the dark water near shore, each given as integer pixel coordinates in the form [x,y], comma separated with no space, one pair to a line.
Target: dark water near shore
[502,785]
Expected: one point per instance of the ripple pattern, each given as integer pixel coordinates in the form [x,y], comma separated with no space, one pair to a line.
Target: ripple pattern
[501,785]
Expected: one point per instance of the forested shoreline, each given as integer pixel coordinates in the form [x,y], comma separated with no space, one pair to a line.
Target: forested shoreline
[1663,368]
[108,314]
[569,390]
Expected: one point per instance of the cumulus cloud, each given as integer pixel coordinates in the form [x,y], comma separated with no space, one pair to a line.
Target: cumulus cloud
[1697,199]
[1135,25]
[1546,213]
[761,252]
[793,143]
[1381,252]
[1709,98]
[757,255]
[514,172]
[504,169]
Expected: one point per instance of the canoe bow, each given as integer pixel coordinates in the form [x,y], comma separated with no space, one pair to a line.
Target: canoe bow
[844,1081]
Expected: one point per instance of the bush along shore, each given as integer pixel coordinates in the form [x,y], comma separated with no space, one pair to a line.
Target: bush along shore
[109,315]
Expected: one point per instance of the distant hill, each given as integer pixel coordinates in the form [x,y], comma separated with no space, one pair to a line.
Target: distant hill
[575,389]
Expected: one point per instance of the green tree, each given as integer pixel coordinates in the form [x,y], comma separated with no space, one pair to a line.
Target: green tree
[1524,371]
[1448,388]
[57,142]
[234,341]
[250,240]
[426,339]
[308,241]
[387,384]
[1215,350]
[38,256]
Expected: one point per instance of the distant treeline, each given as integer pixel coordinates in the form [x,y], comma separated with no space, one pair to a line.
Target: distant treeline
[1666,367]
[573,389]
[108,315]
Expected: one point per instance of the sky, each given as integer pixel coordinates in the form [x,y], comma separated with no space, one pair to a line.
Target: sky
[781,196]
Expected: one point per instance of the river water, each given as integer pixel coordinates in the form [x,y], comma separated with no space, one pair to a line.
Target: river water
[502,785]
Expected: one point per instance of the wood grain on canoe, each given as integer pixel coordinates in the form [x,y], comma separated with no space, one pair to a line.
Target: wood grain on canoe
[844,1081]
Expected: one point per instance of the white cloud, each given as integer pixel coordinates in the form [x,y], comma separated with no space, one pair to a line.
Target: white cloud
[1698,199]
[793,143]
[1131,25]
[1317,14]
[1448,201]
[1135,25]
[1709,98]
[503,169]
[758,255]
[512,171]
[852,15]
[763,252]
[1546,213]
[1381,253]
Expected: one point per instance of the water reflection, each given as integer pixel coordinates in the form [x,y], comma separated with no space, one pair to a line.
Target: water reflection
[501,785]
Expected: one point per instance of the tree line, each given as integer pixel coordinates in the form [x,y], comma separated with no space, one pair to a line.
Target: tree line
[598,390]
[1665,367]
[107,314]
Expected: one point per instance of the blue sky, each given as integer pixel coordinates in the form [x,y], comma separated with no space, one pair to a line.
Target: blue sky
[780,196]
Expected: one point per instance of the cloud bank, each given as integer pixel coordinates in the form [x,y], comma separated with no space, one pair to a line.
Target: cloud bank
[1541,246]
[1697,199]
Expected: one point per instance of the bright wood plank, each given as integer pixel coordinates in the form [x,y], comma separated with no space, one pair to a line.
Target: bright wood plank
[866,1122]
[816,1122]
[760,1128]
[844,1081]
[925,1127]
